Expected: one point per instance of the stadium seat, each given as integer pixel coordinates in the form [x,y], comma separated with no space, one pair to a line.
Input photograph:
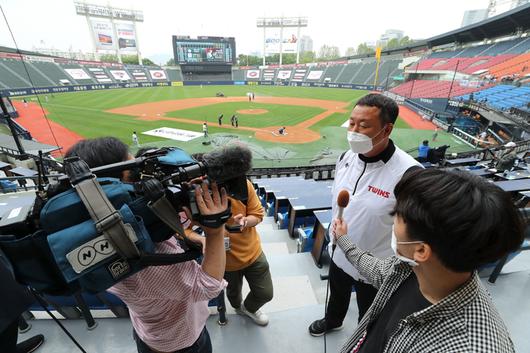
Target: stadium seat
[434,89]
[282,221]
[305,239]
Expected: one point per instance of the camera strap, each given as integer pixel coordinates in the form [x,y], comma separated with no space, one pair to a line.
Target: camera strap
[106,218]
[215,220]
[167,213]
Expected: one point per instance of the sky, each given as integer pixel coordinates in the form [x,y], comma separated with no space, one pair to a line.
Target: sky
[54,23]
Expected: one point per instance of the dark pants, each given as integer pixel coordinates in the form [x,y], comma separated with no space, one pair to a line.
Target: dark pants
[340,285]
[259,280]
[202,345]
[8,338]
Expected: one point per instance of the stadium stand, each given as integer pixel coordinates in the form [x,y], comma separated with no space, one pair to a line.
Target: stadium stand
[52,71]
[174,74]
[316,73]
[502,97]
[349,71]
[332,73]
[433,89]
[464,65]
[11,78]
[513,46]
[366,71]
[519,65]
[81,75]
[15,75]
[238,75]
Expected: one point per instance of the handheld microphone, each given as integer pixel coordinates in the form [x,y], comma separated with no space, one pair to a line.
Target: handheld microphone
[342,201]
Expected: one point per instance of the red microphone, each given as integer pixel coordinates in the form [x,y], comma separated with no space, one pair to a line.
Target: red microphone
[342,202]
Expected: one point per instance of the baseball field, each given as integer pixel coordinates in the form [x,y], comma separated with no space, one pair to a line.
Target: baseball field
[312,118]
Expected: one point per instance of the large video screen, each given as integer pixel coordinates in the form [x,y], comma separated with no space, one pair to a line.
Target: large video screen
[204,50]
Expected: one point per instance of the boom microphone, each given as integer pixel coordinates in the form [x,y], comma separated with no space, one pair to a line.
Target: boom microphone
[227,163]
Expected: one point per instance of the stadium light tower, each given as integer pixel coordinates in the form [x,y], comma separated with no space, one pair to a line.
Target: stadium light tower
[106,33]
[277,45]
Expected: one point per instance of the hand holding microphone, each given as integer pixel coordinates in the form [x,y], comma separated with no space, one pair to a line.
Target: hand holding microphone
[340,227]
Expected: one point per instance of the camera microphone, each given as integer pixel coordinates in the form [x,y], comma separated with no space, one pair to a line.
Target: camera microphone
[228,162]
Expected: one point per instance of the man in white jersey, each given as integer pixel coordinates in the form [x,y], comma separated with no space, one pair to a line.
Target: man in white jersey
[369,170]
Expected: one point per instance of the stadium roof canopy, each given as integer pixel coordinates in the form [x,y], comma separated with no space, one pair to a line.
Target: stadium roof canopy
[14,51]
[505,24]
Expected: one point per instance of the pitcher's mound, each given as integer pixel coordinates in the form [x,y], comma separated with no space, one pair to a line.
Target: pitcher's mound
[252,111]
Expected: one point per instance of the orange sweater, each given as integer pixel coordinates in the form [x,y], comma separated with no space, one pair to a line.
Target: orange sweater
[245,247]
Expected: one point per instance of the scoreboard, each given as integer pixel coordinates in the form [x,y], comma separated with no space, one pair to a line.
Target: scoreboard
[204,50]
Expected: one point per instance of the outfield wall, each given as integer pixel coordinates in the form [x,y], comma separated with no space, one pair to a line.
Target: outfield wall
[103,86]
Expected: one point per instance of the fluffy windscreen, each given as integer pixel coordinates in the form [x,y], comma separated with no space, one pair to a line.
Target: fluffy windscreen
[228,162]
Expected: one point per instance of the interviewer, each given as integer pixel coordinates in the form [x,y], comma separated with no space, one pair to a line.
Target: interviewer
[446,225]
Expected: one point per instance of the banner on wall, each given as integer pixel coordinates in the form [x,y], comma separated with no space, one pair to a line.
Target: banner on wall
[126,37]
[272,42]
[284,74]
[78,74]
[103,34]
[120,75]
[158,74]
[268,75]
[315,75]
[253,74]
[299,74]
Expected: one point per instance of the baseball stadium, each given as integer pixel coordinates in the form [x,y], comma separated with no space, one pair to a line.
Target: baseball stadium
[287,125]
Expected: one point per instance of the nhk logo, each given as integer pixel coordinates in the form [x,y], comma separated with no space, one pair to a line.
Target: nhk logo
[91,253]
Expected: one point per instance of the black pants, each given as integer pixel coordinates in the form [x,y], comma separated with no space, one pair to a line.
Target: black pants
[8,338]
[202,345]
[340,285]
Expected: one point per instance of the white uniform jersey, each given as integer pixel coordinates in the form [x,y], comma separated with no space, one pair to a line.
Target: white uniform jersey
[371,187]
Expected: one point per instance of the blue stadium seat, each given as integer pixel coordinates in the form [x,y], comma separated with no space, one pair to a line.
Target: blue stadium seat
[305,239]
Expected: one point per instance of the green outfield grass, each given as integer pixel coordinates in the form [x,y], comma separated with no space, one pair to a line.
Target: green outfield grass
[278,114]
[85,113]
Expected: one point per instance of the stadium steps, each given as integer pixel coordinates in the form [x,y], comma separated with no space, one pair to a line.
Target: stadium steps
[347,73]
[483,53]
[356,73]
[11,78]
[34,67]
[23,71]
[324,74]
[340,73]
[367,70]
[295,277]
[521,47]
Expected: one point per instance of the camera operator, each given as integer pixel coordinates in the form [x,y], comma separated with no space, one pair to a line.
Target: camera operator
[168,304]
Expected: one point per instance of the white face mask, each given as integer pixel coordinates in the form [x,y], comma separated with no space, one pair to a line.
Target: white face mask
[393,245]
[360,143]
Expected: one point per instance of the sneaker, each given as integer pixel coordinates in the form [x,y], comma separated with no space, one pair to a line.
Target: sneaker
[258,317]
[31,344]
[319,327]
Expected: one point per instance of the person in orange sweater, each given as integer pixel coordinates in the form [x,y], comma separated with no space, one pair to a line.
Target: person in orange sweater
[245,258]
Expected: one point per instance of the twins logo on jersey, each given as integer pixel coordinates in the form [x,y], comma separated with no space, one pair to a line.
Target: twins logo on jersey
[379,192]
